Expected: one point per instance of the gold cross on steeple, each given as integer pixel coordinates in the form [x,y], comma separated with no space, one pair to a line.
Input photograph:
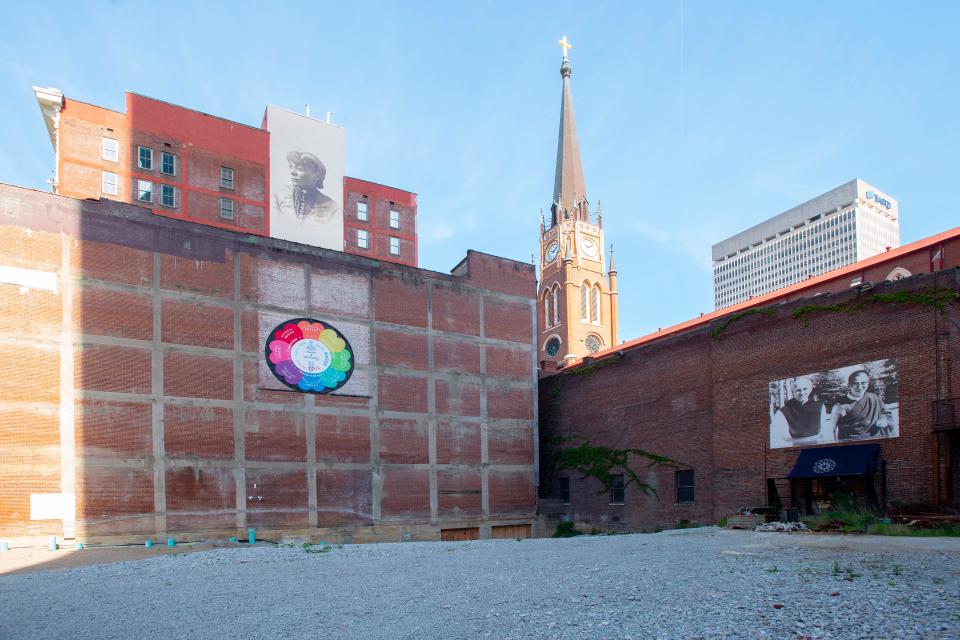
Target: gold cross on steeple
[566,45]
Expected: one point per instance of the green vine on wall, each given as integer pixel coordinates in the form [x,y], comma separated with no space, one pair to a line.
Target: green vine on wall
[726,322]
[578,454]
[937,298]
[602,463]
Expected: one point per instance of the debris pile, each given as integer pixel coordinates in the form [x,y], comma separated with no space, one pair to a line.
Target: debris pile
[781,526]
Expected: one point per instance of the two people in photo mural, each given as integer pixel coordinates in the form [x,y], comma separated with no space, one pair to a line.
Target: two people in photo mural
[840,405]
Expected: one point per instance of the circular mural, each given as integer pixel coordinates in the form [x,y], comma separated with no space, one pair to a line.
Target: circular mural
[308,355]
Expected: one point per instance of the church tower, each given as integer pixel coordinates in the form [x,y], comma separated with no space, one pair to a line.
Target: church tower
[577,300]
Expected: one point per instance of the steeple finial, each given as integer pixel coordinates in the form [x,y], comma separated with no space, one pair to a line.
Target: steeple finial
[613,267]
[568,184]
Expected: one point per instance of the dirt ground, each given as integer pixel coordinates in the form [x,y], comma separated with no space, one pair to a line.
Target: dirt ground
[28,560]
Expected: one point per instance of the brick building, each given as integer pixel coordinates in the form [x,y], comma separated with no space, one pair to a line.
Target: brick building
[189,165]
[701,393]
[137,399]
[380,221]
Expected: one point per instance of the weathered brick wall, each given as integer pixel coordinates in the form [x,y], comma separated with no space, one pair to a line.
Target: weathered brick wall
[201,143]
[380,200]
[704,402]
[139,385]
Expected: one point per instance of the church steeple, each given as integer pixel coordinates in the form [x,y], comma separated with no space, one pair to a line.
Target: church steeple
[577,298]
[569,190]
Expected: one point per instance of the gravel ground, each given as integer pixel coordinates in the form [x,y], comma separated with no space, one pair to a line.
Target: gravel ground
[702,583]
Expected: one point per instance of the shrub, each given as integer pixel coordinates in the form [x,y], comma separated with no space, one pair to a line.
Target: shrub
[566,529]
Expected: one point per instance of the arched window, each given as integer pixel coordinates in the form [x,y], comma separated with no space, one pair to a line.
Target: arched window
[556,305]
[547,309]
[595,304]
[584,302]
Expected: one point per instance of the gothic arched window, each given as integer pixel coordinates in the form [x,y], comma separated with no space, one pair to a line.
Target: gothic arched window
[595,304]
[584,302]
[556,305]
[547,309]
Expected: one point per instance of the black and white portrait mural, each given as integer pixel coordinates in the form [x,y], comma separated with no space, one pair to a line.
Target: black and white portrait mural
[848,404]
[306,179]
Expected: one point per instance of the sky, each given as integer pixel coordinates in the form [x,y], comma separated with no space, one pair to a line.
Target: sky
[696,119]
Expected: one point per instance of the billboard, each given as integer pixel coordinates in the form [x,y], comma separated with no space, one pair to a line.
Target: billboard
[848,404]
[306,179]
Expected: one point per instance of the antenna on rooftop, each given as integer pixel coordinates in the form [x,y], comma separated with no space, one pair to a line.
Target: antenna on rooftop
[329,115]
[306,109]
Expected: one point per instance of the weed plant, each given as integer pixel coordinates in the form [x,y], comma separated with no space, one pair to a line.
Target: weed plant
[853,516]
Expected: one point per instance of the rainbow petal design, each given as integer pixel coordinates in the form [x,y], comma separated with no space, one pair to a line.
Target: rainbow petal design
[308,355]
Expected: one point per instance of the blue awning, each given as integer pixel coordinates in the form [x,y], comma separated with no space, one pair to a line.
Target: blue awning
[847,460]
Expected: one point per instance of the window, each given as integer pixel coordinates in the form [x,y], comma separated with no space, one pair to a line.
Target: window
[556,305]
[111,150]
[593,343]
[226,208]
[547,309]
[108,183]
[584,302]
[553,346]
[616,489]
[595,305]
[145,158]
[226,177]
[362,239]
[144,191]
[394,219]
[685,486]
[394,246]
[168,163]
[362,211]
[565,490]
[168,195]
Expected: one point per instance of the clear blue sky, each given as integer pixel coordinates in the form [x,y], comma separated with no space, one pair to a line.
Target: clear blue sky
[697,119]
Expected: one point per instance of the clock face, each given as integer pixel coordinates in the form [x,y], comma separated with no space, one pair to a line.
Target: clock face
[552,252]
[589,247]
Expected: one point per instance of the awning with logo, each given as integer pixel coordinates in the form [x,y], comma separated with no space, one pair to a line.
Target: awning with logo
[847,460]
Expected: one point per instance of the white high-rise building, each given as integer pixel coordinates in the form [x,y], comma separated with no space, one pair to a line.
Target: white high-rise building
[853,222]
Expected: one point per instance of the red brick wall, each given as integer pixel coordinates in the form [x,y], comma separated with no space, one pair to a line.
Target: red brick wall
[175,428]
[702,400]
[201,144]
[380,200]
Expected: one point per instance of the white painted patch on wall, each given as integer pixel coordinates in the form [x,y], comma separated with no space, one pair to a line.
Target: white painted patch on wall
[28,279]
[52,506]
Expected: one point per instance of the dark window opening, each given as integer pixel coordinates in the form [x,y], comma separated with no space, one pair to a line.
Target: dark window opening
[565,490]
[616,489]
[685,486]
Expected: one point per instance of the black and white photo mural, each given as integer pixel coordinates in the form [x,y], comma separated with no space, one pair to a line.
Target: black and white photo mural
[306,178]
[848,404]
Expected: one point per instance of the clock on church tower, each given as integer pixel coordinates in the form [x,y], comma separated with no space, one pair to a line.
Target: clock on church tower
[577,298]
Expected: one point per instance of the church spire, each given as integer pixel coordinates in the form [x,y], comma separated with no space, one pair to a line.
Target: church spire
[569,192]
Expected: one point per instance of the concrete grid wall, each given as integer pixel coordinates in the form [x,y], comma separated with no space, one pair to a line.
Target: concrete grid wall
[704,402]
[138,385]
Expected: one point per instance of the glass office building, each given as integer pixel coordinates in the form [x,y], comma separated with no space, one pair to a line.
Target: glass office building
[853,222]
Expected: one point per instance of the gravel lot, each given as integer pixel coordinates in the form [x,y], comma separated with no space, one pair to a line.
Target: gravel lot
[703,583]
